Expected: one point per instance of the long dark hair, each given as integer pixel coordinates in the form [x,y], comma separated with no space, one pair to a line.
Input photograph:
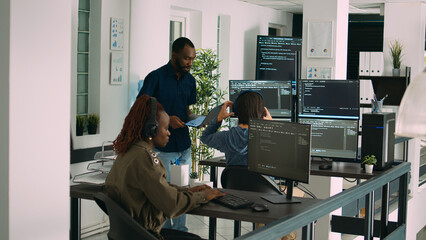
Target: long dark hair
[250,105]
[134,122]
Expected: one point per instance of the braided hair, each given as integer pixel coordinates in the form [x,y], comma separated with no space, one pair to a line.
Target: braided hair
[134,122]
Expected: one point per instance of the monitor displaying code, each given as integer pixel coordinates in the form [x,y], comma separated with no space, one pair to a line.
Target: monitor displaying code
[276,57]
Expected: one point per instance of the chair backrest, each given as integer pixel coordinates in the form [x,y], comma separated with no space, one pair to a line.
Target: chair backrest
[122,225]
[240,178]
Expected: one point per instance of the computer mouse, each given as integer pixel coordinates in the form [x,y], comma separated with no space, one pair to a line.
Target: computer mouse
[258,207]
[325,166]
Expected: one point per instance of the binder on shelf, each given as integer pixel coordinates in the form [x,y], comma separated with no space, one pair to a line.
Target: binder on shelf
[366,91]
[364,63]
[376,63]
[371,64]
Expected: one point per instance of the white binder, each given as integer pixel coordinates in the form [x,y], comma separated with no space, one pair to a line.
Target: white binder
[376,64]
[366,91]
[364,63]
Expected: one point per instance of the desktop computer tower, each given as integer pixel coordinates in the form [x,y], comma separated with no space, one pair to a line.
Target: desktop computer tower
[378,138]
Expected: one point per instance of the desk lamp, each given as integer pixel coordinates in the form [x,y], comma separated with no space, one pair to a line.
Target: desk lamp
[411,120]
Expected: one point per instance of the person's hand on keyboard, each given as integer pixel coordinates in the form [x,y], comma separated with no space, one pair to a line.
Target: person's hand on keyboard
[213,193]
[199,188]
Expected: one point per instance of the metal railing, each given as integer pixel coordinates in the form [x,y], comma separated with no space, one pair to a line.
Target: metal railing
[368,227]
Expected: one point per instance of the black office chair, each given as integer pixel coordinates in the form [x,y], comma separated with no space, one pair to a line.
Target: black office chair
[122,225]
[240,178]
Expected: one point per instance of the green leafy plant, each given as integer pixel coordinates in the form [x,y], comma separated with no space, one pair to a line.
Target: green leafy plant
[92,123]
[93,119]
[395,48]
[81,123]
[204,69]
[369,159]
[193,175]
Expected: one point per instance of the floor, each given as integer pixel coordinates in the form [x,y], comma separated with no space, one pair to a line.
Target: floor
[199,225]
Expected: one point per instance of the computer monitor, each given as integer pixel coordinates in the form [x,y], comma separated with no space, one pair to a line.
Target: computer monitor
[276,94]
[337,99]
[336,139]
[280,149]
[276,57]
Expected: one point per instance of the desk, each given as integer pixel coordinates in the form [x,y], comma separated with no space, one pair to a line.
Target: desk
[339,169]
[213,210]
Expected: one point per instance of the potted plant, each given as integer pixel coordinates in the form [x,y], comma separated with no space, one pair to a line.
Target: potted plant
[193,178]
[80,122]
[369,161]
[92,123]
[395,48]
[204,69]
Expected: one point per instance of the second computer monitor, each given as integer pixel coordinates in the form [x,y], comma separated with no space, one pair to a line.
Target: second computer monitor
[328,98]
[276,94]
[280,149]
[333,138]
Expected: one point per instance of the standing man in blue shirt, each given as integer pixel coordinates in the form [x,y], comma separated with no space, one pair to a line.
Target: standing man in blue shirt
[174,87]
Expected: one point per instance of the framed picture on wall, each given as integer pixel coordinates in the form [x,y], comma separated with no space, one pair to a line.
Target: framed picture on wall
[116,68]
[319,72]
[117,34]
[320,39]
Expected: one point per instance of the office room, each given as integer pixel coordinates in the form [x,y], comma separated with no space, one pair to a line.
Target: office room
[39,92]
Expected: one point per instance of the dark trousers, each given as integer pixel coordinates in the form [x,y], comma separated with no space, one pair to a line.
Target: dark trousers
[172,234]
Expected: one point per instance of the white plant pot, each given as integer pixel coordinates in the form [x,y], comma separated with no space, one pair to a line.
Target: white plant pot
[369,168]
[193,182]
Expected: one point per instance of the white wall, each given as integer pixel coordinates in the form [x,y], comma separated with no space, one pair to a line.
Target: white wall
[149,40]
[337,12]
[38,151]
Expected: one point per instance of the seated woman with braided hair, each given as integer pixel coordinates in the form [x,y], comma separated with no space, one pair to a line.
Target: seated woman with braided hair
[137,180]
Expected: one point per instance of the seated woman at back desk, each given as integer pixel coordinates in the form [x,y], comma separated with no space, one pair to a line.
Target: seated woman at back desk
[234,143]
[248,104]
[137,180]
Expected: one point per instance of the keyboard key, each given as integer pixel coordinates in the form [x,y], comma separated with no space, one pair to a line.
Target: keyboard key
[233,201]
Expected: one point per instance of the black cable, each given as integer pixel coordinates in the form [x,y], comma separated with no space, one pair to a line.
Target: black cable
[351,181]
[305,190]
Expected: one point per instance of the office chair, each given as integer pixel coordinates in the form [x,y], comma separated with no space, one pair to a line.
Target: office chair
[122,225]
[240,178]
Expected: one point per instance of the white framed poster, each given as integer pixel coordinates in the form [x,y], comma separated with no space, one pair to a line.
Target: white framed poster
[319,72]
[320,39]
[116,68]
[117,34]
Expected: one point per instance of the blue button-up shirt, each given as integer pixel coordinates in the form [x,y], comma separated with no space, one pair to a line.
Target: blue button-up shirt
[175,96]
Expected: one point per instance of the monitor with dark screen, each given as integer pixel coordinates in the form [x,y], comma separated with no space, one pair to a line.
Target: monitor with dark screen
[280,149]
[337,99]
[333,138]
[276,57]
[276,94]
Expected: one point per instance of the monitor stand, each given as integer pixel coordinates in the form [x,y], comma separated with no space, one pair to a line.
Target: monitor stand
[279,199]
